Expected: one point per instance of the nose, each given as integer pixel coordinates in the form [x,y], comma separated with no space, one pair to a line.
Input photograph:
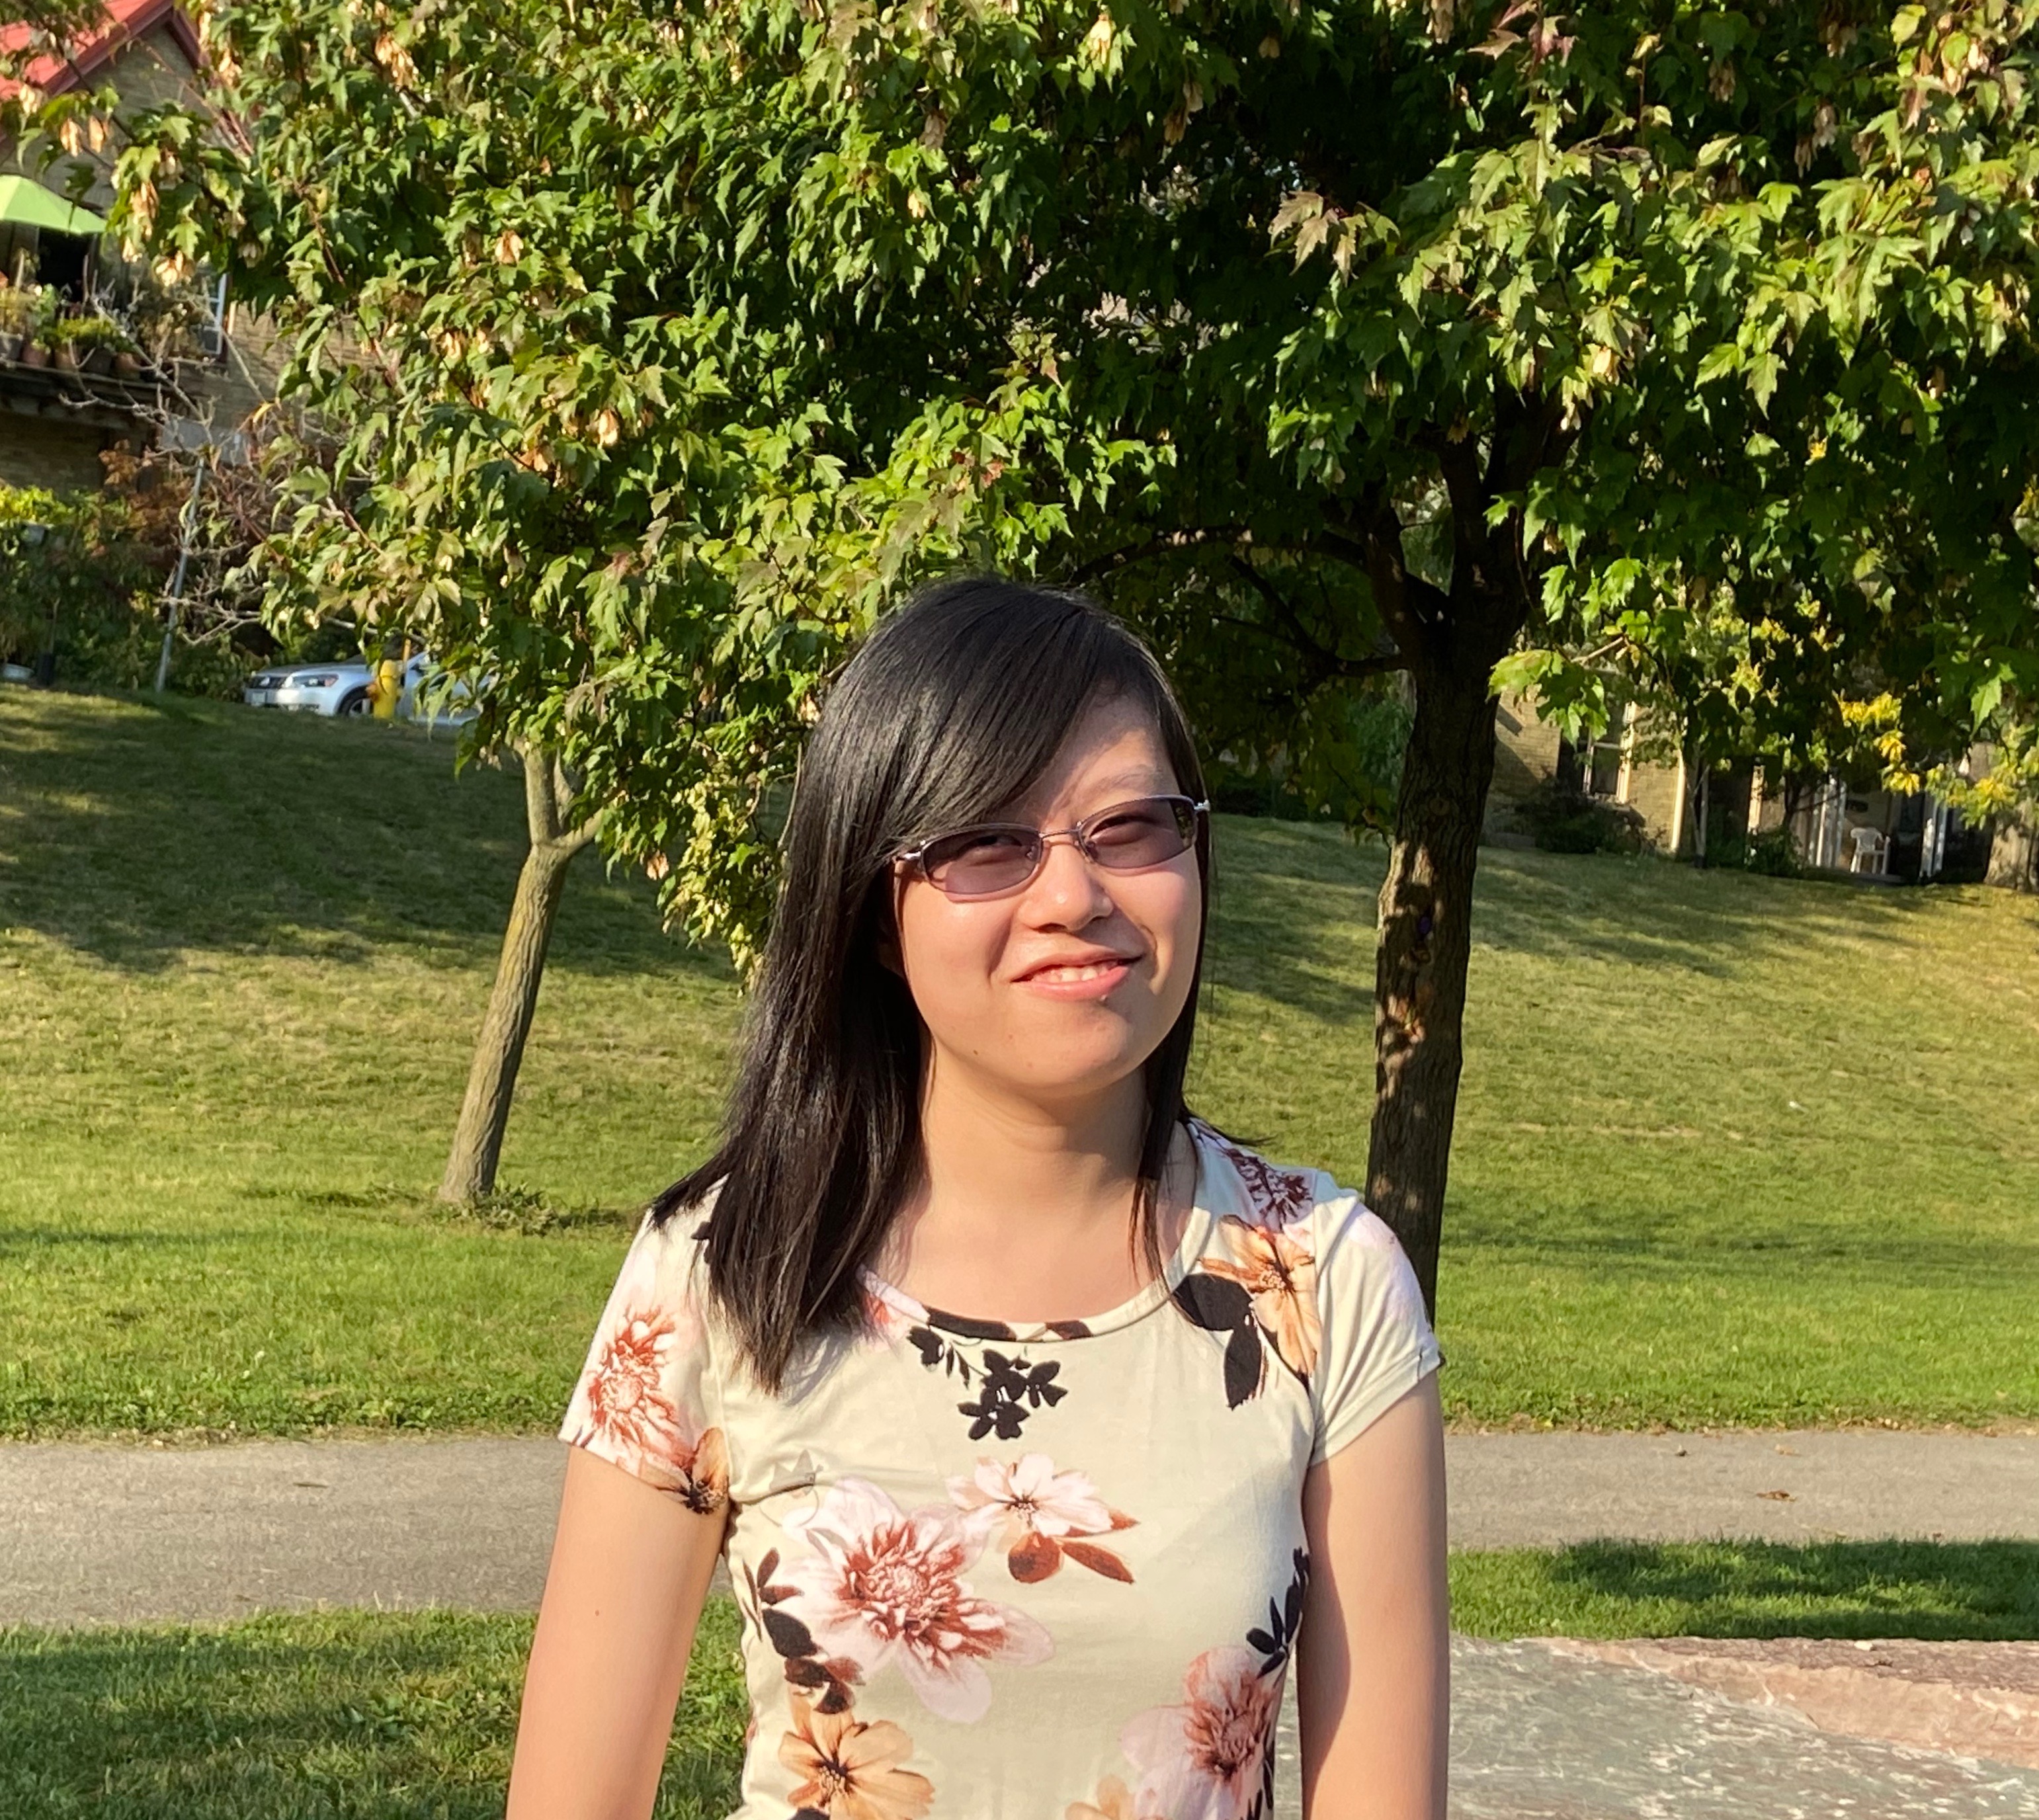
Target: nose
[1067,892]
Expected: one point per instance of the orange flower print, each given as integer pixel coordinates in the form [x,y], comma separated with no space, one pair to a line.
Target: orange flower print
[850,1770]
[628,1415]
[1115,1802]
[1279,1272]
[885,1585]
[1210,1757]
[1042,1515]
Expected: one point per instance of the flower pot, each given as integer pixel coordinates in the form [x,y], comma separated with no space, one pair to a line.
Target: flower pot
[97,359]
[126,366]
[10,347]
[64,357]
[35,354]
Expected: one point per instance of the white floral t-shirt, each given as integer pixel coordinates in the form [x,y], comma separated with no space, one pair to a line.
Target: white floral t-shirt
[1049,1571]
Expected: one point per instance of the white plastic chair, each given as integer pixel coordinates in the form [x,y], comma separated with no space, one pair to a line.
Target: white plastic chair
[1872,851]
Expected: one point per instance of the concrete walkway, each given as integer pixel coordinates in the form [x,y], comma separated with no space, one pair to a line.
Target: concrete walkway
[98,1534]
[1542,1731]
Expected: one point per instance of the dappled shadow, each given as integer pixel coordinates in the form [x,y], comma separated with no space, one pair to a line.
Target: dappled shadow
[1293,909]
[1940,1590]
[133,829]
[1292,916]
[1648,911]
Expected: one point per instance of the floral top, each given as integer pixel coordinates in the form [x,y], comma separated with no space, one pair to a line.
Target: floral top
[1052,1571]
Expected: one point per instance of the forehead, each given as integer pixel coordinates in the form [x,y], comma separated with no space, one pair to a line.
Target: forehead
[1113,752]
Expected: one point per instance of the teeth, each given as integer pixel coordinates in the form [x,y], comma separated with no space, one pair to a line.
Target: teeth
[1097,970]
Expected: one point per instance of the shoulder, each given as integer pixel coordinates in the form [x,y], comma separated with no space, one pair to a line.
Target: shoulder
[1311,1207]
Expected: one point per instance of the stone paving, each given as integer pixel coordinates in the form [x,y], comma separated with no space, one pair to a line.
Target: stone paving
[1543,1730]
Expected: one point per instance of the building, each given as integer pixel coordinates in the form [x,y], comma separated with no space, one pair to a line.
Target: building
[1836,825]
[92,355]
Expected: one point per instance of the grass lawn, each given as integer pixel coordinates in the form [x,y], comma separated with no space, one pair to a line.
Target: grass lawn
[1730,1149]
[390,1715]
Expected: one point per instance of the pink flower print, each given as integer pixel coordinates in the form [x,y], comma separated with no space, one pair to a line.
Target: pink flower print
[1042,1513]
[1209,1758]
[883,1585]
[1279,1272]
[630,1416]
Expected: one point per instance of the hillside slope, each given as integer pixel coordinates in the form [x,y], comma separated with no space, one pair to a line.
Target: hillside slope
[1730,1149]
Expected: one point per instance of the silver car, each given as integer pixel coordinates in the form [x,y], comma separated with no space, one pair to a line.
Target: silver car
[343,688]
[313,688]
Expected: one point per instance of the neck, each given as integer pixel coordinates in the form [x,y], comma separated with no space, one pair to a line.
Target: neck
[1024,1209]
[999,1156]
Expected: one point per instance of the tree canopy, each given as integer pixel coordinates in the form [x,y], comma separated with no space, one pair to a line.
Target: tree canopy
[659,347]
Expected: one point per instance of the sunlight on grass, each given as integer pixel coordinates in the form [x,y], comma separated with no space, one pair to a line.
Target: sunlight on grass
[1730,1149]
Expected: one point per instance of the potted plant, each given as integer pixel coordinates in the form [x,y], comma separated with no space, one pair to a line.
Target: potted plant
[17,318]
[97,341]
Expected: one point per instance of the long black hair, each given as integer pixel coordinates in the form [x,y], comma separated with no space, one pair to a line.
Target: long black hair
[952,708]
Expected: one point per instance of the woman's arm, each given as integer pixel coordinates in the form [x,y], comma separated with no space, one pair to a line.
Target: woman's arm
[630,1568]
[1374,1661]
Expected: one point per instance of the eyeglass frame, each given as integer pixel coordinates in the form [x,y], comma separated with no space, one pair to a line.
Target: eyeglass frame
[914,859]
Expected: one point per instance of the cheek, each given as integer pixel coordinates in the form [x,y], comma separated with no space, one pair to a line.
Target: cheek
[947,957]
[1170,912]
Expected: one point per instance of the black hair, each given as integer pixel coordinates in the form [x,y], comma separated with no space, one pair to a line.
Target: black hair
[952,708]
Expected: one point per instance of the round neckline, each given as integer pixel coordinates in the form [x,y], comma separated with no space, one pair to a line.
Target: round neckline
[1142,1302]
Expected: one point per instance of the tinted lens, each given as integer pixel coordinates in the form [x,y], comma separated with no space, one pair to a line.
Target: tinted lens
[1146,832]
[977,862]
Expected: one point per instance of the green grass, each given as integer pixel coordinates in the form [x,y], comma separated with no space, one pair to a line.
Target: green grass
[389,1714]
[333,1715]
[1936,1589]
[1730,1149]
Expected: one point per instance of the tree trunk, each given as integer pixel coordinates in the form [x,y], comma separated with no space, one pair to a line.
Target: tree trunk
[498,1051]
[2014,854]
[1420,969]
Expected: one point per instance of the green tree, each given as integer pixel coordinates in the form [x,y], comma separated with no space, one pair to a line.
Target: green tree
[660,347]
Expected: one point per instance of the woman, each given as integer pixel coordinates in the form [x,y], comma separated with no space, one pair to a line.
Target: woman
[1050,1557]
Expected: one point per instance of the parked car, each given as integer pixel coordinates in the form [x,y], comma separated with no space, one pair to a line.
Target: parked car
[314,688]
[343,688]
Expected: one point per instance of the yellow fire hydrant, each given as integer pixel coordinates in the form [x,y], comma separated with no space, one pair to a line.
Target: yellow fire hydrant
[383,691]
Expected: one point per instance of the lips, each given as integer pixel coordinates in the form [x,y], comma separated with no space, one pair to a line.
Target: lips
[1073,969]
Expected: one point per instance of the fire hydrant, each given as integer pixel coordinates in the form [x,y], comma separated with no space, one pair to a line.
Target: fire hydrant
[386,690]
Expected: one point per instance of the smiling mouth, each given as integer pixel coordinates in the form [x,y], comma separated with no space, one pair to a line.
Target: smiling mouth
[1089,970]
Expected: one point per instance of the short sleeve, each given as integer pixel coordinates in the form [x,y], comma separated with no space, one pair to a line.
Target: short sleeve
[649,1398]
[1375,1343]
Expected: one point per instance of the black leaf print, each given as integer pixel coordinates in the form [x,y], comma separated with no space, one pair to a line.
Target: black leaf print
[1278,1641]
[1244,1361]
[789,1635]
[1011,1389]
[1213,1303]
[970,1329]
[1070,1329]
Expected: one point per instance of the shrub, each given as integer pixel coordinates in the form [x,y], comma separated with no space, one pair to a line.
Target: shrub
[1564,820]
[1775,853]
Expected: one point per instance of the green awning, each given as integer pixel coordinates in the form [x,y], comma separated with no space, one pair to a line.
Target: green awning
[25,204]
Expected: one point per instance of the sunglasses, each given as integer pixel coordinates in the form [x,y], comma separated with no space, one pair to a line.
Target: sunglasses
[995,857]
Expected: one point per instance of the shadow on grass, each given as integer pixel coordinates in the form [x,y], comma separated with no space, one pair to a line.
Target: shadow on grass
[359,1713]
[131,829]
[1302,934]
[1942,1591]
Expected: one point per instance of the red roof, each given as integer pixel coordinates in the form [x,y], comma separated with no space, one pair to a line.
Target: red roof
[121,23]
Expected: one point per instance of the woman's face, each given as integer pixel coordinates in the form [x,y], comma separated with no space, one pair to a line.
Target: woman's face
[1060,991]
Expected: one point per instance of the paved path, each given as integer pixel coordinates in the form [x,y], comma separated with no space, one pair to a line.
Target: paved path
[98,1534]
[1541,1731]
